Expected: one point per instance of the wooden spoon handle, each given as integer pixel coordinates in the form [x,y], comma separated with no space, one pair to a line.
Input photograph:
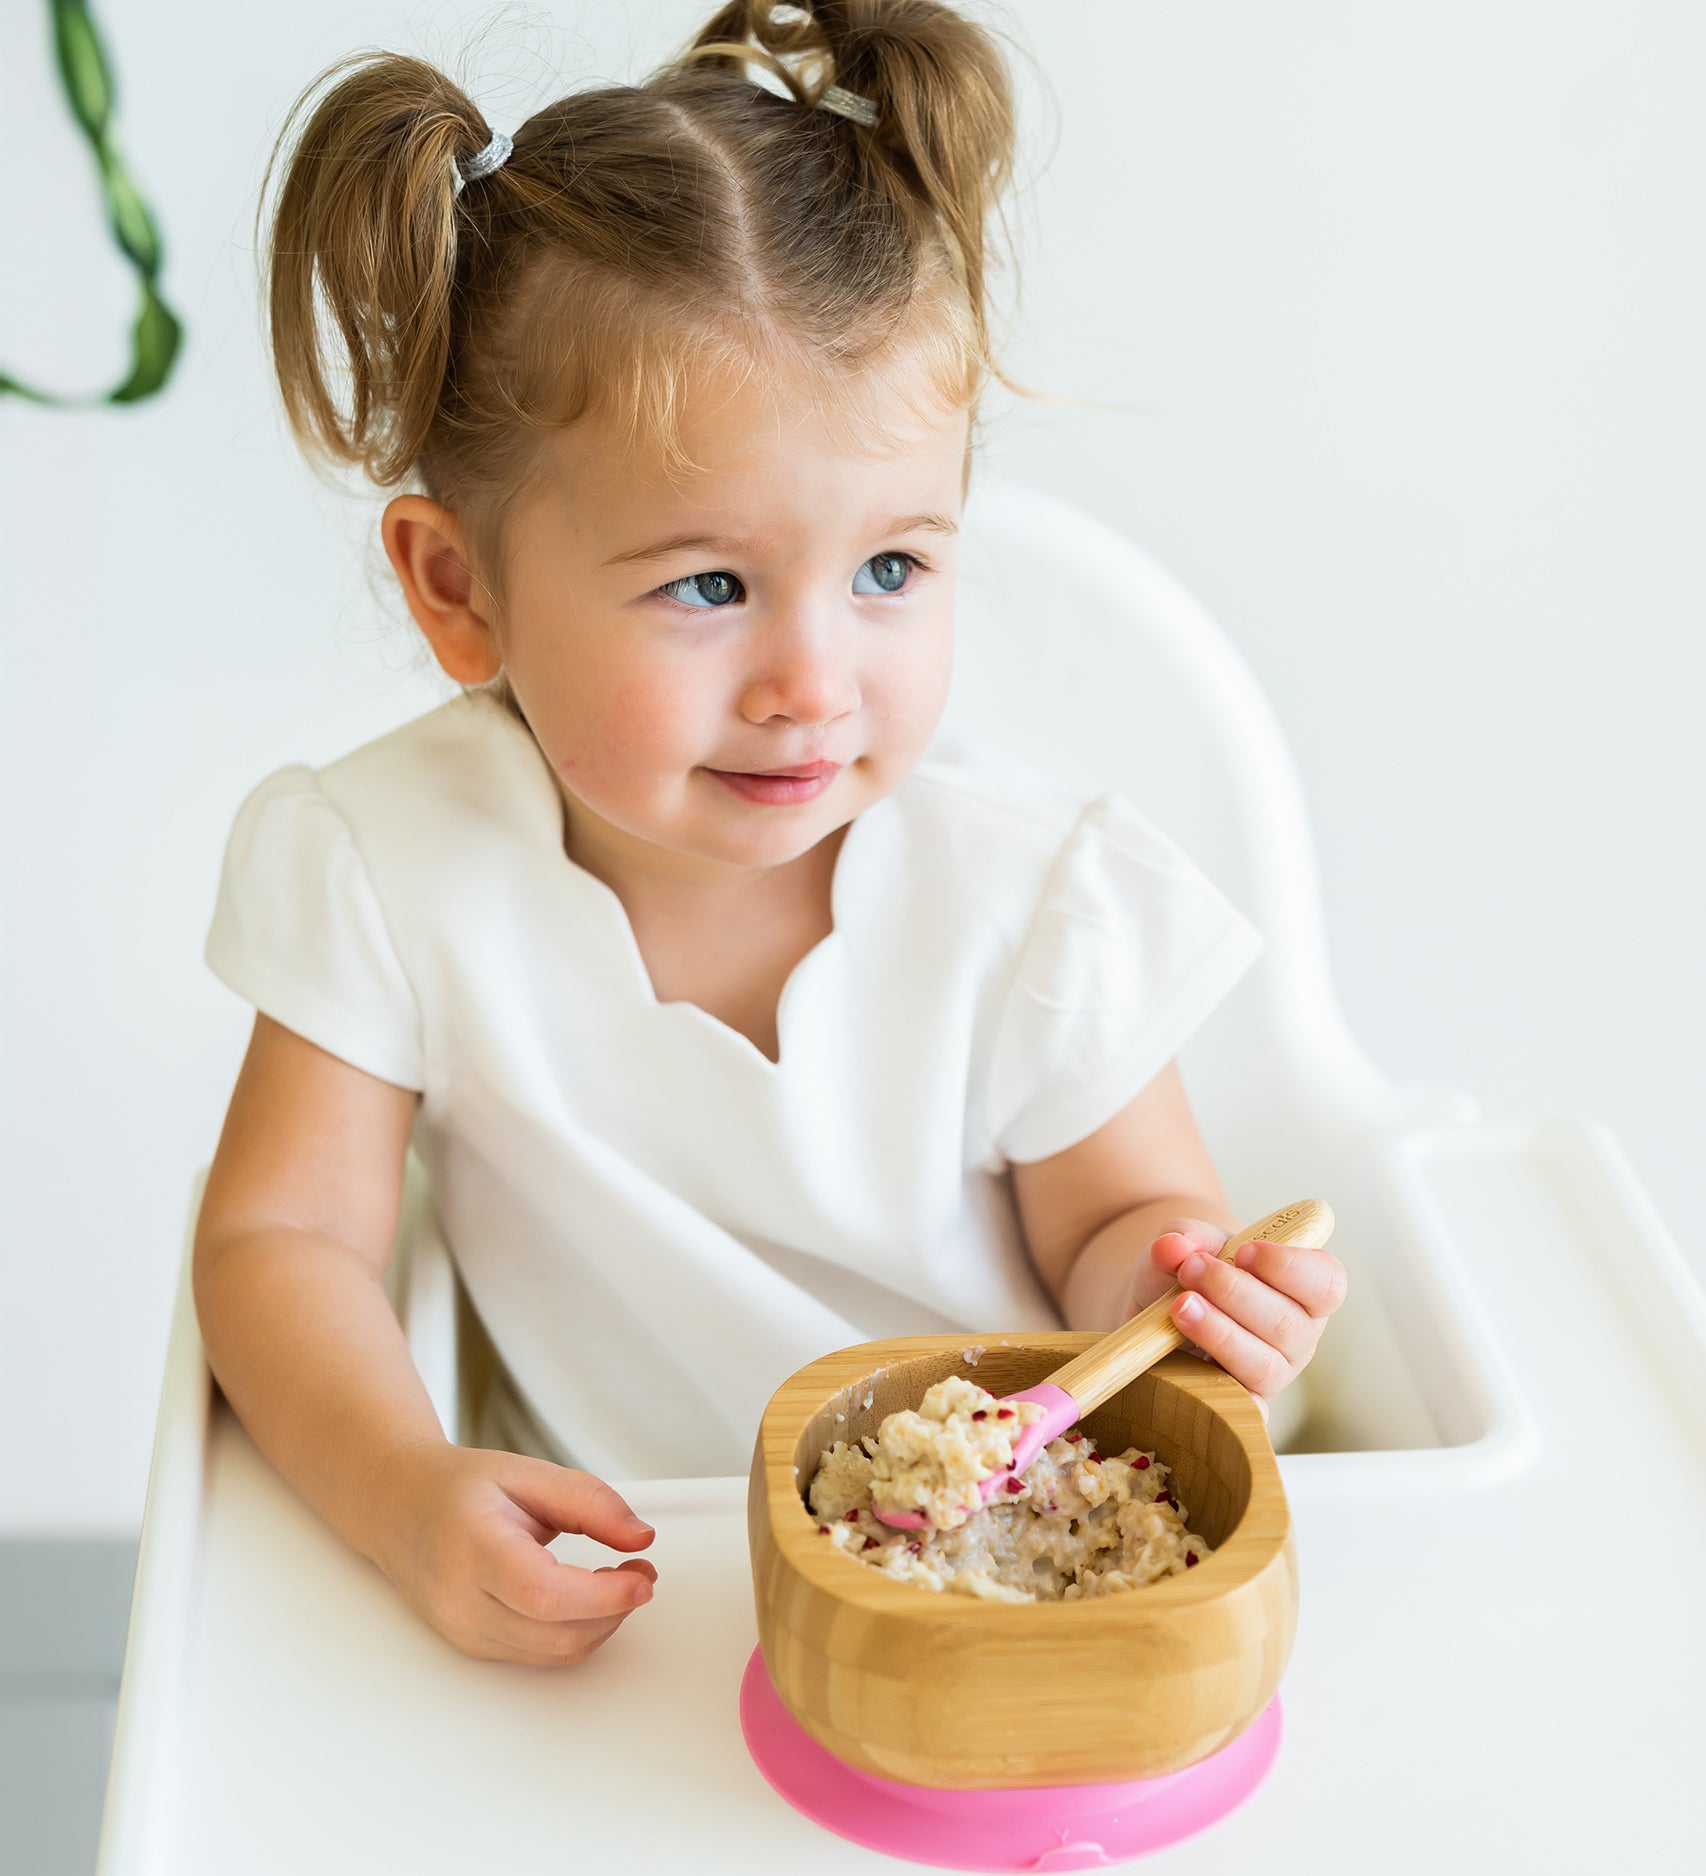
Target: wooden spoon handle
[1123,1354]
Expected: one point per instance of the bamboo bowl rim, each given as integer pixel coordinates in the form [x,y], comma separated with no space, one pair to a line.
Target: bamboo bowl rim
[1256,1540]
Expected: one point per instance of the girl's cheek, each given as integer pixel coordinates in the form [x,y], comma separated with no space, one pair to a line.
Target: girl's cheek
[642,731]
[910,691]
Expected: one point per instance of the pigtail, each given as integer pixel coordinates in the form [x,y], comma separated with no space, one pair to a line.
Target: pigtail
[367,218]
[945,127]
[945,132]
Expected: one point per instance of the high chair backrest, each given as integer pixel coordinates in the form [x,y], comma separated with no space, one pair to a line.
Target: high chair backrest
[1076,652]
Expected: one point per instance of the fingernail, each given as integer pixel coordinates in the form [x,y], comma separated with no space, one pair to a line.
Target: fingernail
[1190,1309]
[1192,1267]
[638,1524]
[1245,1255]
[644,1593]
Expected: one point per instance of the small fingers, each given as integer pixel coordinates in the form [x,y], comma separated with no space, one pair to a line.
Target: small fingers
[1313,1279]
[525,1577]
[1179,1237]
[507,1635]
[563,1498]
[1247,1358]
[1253,1305]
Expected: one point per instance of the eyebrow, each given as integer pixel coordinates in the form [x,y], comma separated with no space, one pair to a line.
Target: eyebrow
[740,544]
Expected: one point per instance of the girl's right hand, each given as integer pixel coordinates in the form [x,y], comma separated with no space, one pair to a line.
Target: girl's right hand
[463,1538]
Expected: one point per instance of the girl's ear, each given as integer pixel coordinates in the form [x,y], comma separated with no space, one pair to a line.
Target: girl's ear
[424,544]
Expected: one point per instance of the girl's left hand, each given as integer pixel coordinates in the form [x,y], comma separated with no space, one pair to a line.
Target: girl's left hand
[1260,1316]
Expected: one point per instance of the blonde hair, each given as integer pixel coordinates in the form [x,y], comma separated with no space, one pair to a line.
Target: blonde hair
[637,235]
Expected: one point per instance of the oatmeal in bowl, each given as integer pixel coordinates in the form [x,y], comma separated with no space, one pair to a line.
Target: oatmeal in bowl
[1076,1523]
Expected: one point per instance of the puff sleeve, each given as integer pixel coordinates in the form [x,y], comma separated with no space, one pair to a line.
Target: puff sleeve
[1130,949]
[299,931]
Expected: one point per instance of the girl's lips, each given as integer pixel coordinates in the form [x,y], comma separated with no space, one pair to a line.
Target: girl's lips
[780,788]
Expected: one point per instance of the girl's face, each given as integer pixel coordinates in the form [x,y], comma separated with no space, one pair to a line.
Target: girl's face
[724,670]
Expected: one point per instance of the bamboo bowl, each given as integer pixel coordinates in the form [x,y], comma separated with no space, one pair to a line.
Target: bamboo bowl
[956,1693]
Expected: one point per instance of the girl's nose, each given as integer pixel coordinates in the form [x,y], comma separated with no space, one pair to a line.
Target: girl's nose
[805,673]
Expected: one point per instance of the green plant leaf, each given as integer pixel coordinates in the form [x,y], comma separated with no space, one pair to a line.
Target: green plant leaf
[132,225]
[154,340]
[83,66]
[10,386]
[155,335]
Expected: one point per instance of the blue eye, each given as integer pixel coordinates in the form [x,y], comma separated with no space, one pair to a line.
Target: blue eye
[703,591]
[888,570]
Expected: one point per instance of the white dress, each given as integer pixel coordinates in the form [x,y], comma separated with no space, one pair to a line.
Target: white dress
[656,1223]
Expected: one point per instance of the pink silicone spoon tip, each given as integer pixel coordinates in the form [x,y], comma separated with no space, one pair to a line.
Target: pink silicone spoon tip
[1062,1412]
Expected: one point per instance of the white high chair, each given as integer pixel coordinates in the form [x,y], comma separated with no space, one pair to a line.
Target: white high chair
[1413,1392]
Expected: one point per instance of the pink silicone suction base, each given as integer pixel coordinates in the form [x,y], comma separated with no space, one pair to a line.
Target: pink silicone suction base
[1046,1827]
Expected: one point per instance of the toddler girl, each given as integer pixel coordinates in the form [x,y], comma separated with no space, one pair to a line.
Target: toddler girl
[735,1013]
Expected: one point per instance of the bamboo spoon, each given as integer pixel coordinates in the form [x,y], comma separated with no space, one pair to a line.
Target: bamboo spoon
[1124,1353]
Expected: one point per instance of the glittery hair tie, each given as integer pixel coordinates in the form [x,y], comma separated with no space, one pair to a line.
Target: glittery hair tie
[849,104]
[493,156]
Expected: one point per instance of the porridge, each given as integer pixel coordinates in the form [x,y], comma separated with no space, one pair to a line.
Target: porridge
[1076,1523]
[934,1459]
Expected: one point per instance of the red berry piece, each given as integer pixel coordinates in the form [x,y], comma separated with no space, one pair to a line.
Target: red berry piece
[1015,1485]
[1163,1498]
[823,1530]
[1141,1462]
[1095,1459]
[853,1517]
[870,1543]
[916,1546]
[1190,1558]
[981,1414]
[1004,1413]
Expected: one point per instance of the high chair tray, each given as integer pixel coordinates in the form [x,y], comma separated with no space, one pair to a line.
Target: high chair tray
[1500,1677]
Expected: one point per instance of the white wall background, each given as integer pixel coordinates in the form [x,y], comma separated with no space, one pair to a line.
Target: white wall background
[1409,301]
